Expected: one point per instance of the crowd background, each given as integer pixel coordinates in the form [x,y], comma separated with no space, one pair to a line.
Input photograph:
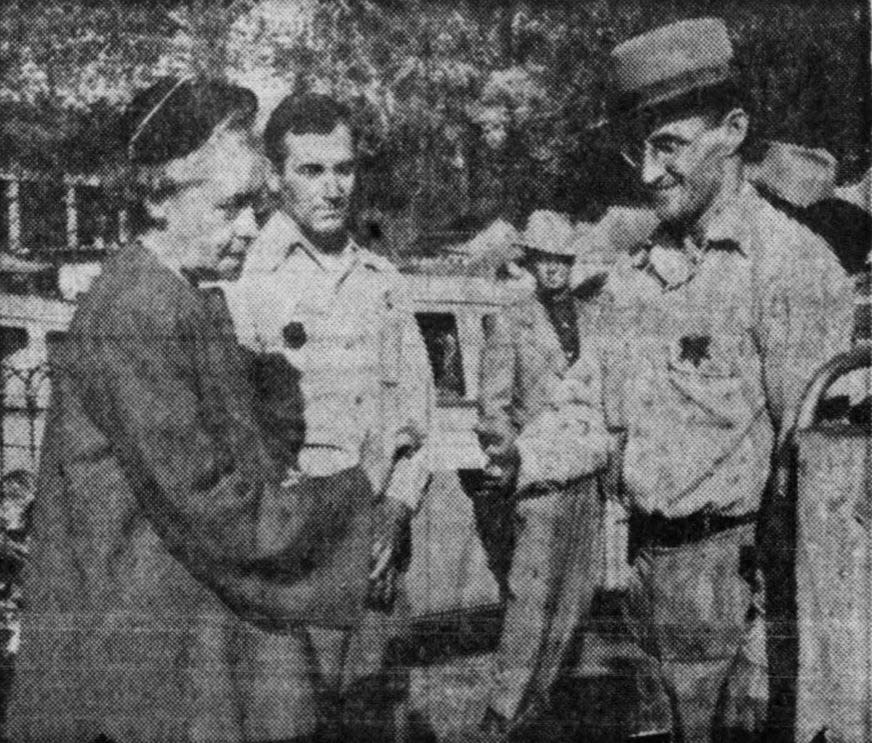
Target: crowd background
[430,82]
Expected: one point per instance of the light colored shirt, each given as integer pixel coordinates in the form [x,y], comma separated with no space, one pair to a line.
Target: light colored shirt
[697,353]
[362,360]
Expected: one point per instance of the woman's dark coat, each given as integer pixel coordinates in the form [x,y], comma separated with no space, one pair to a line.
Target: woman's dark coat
[164,546]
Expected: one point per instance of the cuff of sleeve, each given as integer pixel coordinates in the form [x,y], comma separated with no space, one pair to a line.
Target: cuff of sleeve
[530,470]
[409,479]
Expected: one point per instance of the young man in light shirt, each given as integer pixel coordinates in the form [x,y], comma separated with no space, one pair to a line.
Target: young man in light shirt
[336,314]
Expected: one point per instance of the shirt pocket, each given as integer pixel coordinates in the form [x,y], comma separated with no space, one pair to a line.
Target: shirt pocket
[696,435]
[707,377]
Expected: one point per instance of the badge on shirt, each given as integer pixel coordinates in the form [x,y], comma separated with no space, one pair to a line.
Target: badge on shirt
[694,349]
[698,353]
[294,334]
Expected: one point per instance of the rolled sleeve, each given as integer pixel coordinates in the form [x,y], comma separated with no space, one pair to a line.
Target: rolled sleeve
[497,377]
[409,479]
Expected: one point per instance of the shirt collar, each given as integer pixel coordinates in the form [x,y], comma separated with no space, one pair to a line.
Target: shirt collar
[673,260]
[281,236]
[170,266]
[728,230]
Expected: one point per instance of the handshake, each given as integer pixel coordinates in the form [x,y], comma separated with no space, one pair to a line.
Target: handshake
[560,445]
[392,548]
[497,442]
[391,554]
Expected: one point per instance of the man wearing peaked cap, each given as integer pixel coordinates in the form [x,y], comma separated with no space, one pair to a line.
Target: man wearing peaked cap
[172,552]
[533,539]
[689,364]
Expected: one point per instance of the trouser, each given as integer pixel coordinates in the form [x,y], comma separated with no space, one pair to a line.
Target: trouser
[327,684]
[692,612]
[555,568]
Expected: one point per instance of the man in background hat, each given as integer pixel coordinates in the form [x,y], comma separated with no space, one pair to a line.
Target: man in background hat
[169,546]
[705,338]
[533,539]
[800,181]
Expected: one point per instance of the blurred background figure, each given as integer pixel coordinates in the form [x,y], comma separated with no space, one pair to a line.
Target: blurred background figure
[539,542]
[858,193]
[801,182]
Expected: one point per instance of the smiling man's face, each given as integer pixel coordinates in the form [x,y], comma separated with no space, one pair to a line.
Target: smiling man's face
[682,167]
[317,182]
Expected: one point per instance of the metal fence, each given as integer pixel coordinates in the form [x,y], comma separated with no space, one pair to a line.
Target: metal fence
[24,394]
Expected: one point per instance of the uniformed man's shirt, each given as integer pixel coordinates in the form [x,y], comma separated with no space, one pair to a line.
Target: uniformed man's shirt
[697,352]
[337,319]
[562,312]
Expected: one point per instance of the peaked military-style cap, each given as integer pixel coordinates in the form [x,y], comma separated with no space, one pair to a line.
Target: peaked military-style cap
[669,63]
[175,116]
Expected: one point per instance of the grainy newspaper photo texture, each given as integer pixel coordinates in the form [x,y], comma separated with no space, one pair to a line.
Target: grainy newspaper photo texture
[435,371]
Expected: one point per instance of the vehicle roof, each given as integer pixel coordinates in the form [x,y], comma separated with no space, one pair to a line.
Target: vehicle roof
[462,290]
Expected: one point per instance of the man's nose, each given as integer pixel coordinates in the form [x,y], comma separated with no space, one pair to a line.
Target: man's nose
[333,188]
[652,170]
[245,226]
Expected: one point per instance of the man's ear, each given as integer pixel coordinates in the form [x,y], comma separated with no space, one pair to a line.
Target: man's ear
[735,127]
[157,210]
[273,182]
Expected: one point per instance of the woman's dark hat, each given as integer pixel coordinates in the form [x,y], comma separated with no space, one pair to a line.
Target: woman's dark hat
[176,116]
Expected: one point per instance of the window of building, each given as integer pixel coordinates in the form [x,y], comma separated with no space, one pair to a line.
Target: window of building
[97,226]
[43,216]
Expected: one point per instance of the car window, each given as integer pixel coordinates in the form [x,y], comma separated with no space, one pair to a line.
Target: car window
[441,338]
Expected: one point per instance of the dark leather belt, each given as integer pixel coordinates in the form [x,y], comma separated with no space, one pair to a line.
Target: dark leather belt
[656,530]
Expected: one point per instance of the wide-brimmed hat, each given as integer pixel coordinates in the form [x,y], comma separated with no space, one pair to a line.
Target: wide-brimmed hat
[799,175]
[548,232]
[669,63]
[859,194]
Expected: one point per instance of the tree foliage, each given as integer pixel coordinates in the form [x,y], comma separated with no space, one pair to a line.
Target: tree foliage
[415,70]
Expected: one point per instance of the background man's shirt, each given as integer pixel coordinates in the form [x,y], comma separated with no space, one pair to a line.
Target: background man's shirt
[523,359]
